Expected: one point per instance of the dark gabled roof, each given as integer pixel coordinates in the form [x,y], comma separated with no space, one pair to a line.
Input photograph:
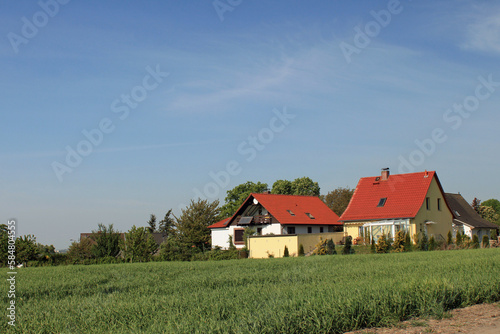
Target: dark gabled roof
[465,214]
[288,210]
[400,196]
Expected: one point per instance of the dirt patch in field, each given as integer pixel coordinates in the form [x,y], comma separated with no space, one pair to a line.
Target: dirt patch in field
[483,318]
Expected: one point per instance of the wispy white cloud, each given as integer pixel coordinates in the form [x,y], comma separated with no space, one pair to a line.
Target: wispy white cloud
[484,34]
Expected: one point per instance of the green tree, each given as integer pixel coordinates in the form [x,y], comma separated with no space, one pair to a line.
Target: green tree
[236,196]
[107,241]
[338,199]
[449,238]
[488,213]
[26,249]
[192,224]
[423,243]
[494,203]
[152,224]
[282,187]
[139,245]
[305,186]
[167,224]
[80,251]
[4,240]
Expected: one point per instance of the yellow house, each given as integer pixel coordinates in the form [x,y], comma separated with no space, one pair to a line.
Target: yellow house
[386,204]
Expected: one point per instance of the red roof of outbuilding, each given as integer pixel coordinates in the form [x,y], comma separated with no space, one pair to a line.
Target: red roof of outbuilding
[404,193]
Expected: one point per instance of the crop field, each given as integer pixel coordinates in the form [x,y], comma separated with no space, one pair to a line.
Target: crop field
[321,294]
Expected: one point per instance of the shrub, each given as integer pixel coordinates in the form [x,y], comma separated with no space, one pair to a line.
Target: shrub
[382,245]
[486,241]
[432,243]
[301,250]
[330,247]
[449,238]
[458,240]
[347,247]
[494,234]
[408,244]
[285,252]
[372,247]
[423,243]
[475,241]
[399,242]
[320,248]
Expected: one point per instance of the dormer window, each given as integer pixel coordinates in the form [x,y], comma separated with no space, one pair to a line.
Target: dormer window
[291,213]
[310,216]
[382,201]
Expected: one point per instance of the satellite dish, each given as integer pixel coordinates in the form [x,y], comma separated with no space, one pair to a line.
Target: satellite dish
[255,201]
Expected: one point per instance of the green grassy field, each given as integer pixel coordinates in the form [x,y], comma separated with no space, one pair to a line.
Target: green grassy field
[322,294]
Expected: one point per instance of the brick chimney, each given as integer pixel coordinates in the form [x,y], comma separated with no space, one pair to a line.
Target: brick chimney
[385,174]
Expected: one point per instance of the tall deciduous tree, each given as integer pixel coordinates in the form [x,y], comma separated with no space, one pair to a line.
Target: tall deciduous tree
[305,186]
[26,249]
[236,196]
[282,187]
[139,244]
[338,199]
[107,241]
[192,224]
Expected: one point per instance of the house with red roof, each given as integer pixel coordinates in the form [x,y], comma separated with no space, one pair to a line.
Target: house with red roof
[386,204]
[276,215]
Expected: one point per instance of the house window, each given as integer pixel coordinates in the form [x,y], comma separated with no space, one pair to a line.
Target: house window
[309,215]
[439,204]
[321,229]
[360,231]
[309,229]
[427,203]
[238,236]
[290,212]
[290,230]
[382,201]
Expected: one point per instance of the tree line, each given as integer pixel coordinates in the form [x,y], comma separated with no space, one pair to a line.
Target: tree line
[185,237]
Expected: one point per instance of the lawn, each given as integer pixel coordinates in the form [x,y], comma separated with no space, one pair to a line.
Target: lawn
[320,294]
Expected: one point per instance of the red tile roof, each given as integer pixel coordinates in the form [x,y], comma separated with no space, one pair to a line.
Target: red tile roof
[219,224]
[277,205]
[405,194]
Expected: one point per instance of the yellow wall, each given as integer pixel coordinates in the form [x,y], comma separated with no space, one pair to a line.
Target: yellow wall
[309,241]
[352,229]
[261,246]
[442,217]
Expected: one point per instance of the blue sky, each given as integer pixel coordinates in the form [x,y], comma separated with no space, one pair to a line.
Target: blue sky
[177,92]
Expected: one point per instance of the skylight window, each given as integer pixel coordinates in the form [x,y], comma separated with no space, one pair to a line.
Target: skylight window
[382,201]
[458,214]
[290,212]
[309,215]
